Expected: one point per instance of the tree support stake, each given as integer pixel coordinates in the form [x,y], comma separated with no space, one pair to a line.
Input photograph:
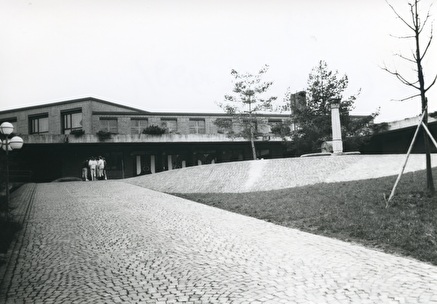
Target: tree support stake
[406,159]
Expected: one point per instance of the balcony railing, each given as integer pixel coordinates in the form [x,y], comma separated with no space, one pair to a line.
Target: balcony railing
[141,138]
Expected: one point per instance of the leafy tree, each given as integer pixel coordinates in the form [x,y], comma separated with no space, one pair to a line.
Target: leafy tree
[282,129]
[416,25]
[246,104]
[313,118]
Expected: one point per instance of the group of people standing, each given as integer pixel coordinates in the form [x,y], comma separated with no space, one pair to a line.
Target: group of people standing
[94,168]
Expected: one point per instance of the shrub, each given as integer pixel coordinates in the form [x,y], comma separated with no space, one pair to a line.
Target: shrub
[77,133]
[281,130]
[103,135]
[154,130]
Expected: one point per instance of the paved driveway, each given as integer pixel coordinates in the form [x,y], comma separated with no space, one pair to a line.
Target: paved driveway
[112,242]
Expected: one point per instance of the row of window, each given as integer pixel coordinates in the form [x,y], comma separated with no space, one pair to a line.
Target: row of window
[137,125]
[39,124]
[196,125]
[72,120]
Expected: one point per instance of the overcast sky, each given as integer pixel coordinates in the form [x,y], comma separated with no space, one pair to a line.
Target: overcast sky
[177,55]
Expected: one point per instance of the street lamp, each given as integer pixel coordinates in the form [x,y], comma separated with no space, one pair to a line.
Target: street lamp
[7,145]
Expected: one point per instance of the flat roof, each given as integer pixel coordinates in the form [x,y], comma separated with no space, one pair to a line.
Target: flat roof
[72,101]
[137,111]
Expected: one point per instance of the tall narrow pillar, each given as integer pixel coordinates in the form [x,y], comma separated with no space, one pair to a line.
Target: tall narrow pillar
[169,162]
[337,142]
[138,163]
[152,164]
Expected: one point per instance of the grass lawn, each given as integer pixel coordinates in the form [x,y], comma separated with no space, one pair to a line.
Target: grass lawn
[351,211]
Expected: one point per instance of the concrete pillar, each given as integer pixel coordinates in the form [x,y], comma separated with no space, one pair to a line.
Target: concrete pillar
[337,142]
[169,162]
[152,164]
[138,163]
[184,163]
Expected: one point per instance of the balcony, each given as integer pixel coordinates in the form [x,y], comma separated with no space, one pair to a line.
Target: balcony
[142,138]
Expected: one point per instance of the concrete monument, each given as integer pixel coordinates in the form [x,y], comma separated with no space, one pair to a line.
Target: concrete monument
[337,142]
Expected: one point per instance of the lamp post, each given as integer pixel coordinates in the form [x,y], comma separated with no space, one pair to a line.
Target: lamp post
[14,143]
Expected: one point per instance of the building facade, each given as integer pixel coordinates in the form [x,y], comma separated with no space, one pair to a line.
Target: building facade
[58,137]
[399,135]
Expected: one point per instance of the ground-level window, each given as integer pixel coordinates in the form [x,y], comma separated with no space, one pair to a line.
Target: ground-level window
[170,124]
[71,120]
[197,126]
[39,124]
[109,124]
[137,125]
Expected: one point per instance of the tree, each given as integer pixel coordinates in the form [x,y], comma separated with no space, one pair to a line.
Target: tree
[246,104]
[313,118]
[416,25]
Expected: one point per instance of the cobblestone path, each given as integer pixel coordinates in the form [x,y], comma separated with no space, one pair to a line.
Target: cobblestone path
[112,242]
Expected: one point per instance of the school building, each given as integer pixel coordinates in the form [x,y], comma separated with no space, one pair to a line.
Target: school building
[58,137]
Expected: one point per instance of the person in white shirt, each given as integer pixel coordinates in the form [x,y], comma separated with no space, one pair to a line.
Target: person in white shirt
[100,167]
[93,165]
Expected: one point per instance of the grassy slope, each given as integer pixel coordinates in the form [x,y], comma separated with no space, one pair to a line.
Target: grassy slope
[351,211]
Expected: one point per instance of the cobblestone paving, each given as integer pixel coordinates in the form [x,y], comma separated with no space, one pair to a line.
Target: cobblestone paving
[279,173]
[112,242]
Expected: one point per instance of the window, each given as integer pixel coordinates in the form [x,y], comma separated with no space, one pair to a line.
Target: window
[197,126]
[170,124]
[71,120]
[137,125]
[109,124]
[223,125]
[39,124]
[250,122]
[275,124]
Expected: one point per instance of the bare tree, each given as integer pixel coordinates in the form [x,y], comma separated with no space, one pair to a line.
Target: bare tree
[416,25]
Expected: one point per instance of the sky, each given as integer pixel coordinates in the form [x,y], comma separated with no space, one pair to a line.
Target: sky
[177,55]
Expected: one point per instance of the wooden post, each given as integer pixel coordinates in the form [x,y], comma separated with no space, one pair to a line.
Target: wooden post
[429,133]
[406,159]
